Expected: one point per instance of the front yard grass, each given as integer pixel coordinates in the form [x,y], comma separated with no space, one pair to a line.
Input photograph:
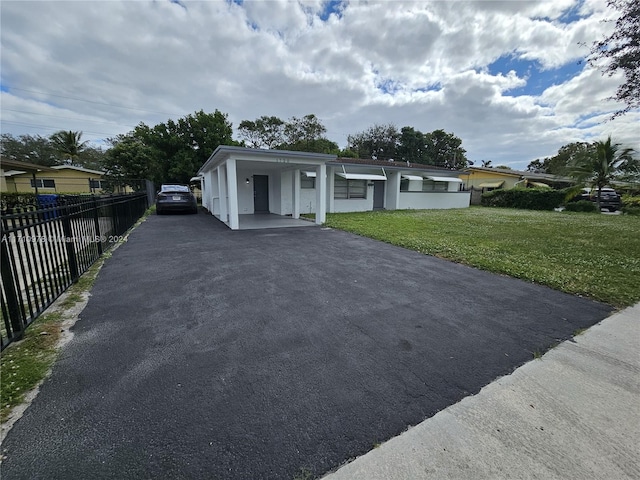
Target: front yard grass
[586,254]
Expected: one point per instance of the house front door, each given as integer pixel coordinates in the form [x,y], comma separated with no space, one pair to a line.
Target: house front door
[378,194]
[261,194]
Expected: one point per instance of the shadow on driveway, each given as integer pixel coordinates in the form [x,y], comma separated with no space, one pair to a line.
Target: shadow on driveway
[207,353]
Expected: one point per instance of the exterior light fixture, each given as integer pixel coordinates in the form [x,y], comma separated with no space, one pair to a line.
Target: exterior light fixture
[248,181]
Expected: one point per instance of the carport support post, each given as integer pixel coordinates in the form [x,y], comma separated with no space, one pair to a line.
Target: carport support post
[232,186]
[321,194]
[222,194]
[296,193]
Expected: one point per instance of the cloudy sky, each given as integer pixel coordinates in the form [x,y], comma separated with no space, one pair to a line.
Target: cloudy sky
[504,76]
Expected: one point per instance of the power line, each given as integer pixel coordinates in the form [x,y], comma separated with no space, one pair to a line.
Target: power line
[9,88]
[67,118]
[44,127]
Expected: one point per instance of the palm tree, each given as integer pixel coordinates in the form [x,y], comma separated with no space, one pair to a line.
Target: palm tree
[68,143]
[607,162]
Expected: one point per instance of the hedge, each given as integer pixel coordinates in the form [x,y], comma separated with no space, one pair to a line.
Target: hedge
[525,198]
[630,205]
[581,206]
[10,200]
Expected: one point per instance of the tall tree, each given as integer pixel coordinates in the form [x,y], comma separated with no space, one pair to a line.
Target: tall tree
[263,132]
[29,148]
[411,145]
[129,158]
[170,151]
[620,51]
[303,133]
[607,162]
[379,142]
[567,155]
[445,150]
[68,144]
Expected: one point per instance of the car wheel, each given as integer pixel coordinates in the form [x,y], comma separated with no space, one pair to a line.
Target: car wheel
[159,212]
[612,209]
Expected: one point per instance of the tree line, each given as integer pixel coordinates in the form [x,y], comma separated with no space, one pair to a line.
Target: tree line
[173,151]
[61,148]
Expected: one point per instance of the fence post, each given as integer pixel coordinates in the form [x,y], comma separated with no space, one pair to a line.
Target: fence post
[69,243]
[96,221]
[8,285]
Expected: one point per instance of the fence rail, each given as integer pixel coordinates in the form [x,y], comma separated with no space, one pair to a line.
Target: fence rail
[45,249]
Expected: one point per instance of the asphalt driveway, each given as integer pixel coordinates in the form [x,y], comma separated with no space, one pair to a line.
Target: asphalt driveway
[271,354]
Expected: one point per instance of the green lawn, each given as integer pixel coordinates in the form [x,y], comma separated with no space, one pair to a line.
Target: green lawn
[588,254]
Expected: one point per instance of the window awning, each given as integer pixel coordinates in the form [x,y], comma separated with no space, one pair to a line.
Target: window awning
[412,177]
[310,174]
[361,176]
[491,185]
[539,184]
[445,179]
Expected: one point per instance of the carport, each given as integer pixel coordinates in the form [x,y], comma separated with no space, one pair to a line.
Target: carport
[246,183]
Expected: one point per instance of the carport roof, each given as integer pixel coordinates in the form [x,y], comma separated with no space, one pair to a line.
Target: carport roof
[223,152]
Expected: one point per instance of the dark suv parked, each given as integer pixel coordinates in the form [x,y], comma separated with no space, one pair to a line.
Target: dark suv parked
[609,198]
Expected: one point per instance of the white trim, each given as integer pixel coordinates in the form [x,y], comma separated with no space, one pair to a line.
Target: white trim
[445,179]
[78,169]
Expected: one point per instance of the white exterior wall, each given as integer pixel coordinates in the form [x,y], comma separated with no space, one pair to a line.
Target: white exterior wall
[245,190]
[307,200]
[433,200]
[392,190]
[285,199]
[341,205]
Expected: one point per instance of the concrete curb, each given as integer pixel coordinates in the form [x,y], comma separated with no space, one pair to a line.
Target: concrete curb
[574,413]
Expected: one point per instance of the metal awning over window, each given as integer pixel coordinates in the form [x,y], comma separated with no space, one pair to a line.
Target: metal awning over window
[361,176]
[412,177]
[310,174]
[445,179]
[539,184]
[491,185]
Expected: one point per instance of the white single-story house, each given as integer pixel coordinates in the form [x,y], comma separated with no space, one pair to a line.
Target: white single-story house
[238,181]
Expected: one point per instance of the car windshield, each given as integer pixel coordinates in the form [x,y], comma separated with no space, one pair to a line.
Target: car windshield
[174,188]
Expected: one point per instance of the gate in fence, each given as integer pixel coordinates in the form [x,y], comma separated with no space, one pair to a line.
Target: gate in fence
[45,249]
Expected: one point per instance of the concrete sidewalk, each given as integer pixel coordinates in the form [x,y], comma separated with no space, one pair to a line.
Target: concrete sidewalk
[573,414]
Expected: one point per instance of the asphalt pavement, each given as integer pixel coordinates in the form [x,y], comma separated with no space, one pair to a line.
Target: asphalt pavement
[271,354]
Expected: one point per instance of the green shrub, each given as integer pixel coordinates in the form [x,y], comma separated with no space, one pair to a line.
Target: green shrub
[581,206]
[12,200]
[525,198]
[630,205]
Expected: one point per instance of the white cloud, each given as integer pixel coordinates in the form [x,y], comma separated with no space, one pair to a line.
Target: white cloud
[149,61]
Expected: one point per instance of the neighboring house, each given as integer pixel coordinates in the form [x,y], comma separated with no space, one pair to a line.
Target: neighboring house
[487,179]
[57,179]
[479,180]
[244,181]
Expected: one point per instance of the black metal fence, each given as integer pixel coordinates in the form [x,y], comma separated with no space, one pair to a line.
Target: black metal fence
[45,249]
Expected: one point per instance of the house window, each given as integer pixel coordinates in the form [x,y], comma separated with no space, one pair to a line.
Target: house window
[404,185]
[95,184]
[344,188]
[43,183]
[431,186]
[307,182]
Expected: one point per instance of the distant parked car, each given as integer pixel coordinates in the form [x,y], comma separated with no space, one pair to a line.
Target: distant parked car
[609,198]
[175,198]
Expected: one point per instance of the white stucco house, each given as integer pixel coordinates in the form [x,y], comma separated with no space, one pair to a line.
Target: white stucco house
[239,182]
